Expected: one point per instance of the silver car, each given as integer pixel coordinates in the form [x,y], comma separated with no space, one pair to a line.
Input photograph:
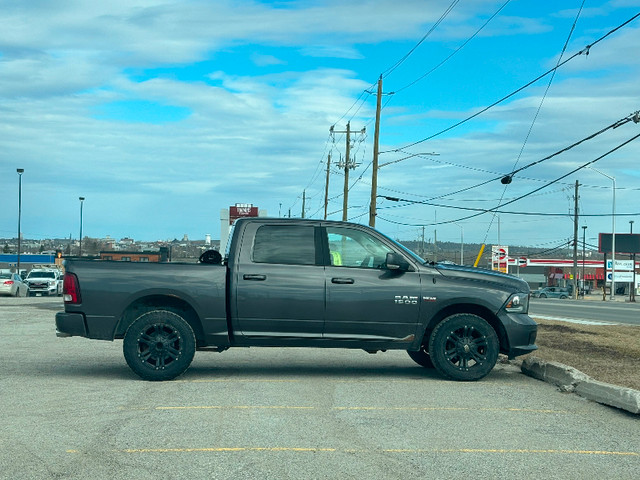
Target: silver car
[12,284]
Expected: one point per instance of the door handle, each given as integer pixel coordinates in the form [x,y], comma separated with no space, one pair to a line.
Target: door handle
[342,281]
[256,277]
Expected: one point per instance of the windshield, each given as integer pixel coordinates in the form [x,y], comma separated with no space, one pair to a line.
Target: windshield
[5,275]
[412,254]
[41,275]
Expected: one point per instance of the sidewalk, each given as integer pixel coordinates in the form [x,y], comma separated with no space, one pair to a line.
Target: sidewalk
[597,296]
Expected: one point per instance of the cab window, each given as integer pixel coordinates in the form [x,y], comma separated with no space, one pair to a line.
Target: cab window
[354,248]
[285,244]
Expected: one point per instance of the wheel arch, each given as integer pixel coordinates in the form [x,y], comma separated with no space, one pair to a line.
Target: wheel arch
[161,302]
[475,309]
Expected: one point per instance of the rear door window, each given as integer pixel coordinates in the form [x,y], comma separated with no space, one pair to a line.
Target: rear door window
[285,244]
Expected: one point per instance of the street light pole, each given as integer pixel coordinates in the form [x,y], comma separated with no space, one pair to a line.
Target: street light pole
[20,172]
[584,231]
[81,203]
[632,290]
[461,243]
[613,236]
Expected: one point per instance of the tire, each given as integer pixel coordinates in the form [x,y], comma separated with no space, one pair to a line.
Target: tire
[563,296]
[421,357]
[159,345]
[542,295]
[464,347]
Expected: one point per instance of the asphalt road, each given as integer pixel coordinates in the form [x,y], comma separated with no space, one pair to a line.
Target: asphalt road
[592,310]
[71,409]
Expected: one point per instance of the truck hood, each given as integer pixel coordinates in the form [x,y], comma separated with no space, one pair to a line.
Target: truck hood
[502,280]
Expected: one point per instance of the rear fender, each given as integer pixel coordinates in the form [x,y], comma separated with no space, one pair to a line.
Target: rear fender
[161,302]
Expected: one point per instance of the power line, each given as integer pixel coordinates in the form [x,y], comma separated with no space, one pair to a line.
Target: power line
[454,52]
[389,70]
[505,212]
[634,117]
[584,51]
[535,117]
[526,194]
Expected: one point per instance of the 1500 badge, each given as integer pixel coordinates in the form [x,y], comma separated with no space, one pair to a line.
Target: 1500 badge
[405,300]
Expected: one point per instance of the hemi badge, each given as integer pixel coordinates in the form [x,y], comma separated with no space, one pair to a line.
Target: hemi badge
[429,299]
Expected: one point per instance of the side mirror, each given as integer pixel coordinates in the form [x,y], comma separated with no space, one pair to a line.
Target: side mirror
[396,262]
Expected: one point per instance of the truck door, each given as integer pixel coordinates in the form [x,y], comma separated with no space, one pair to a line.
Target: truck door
[364,300]
[279,282]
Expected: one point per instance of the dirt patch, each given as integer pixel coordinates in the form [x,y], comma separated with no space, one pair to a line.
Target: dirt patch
[608,353]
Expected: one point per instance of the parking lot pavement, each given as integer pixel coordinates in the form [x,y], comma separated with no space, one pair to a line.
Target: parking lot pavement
[72,409]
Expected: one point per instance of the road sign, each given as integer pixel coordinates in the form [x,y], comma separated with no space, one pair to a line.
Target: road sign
[621,277]
[626,265]
[499,258]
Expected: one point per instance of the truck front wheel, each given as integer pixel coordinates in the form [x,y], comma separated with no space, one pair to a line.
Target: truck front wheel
[159,345]
[464,347]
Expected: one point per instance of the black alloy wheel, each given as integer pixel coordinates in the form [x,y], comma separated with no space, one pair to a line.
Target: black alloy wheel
[159,345]
[464,347]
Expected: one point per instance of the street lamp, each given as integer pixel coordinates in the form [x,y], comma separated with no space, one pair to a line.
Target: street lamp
[81,203]
[613,236]
[20,172]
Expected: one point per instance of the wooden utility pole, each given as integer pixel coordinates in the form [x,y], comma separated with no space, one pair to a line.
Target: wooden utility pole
[374,174]
[347,162]
[348,165]
[575,243]
[326,186]
[304,201]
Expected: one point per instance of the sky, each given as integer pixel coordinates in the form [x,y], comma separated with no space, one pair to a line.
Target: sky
[160,113]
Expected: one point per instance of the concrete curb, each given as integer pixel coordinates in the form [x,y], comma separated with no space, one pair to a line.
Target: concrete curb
[568,379]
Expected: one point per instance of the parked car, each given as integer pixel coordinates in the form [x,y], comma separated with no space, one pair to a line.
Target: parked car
[12,284]
[44,282]
[551,292]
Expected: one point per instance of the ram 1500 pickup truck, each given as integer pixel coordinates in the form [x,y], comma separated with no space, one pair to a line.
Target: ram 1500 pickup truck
[300,283]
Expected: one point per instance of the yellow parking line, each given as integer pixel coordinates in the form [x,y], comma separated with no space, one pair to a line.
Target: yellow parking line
[238,407]
[223,380]
[365,451]
[295,407]
[461,409]
[350,381]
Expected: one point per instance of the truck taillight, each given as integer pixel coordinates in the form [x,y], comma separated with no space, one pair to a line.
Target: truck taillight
[71,289]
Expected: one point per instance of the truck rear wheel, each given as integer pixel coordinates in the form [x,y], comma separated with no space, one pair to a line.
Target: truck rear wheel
[159,345]
[464,347]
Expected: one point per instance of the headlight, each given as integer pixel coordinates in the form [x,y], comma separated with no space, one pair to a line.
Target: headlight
[518,303]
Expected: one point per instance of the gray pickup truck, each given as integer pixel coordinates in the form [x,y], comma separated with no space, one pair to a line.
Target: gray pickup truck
[300,283]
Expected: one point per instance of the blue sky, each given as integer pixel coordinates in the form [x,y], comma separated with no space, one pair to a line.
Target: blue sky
[162,113]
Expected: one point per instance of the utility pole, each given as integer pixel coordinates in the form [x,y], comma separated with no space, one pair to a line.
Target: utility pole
[326,186]
[304,201]
[347,165]
[575,242]
[346,174]
[374,174]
